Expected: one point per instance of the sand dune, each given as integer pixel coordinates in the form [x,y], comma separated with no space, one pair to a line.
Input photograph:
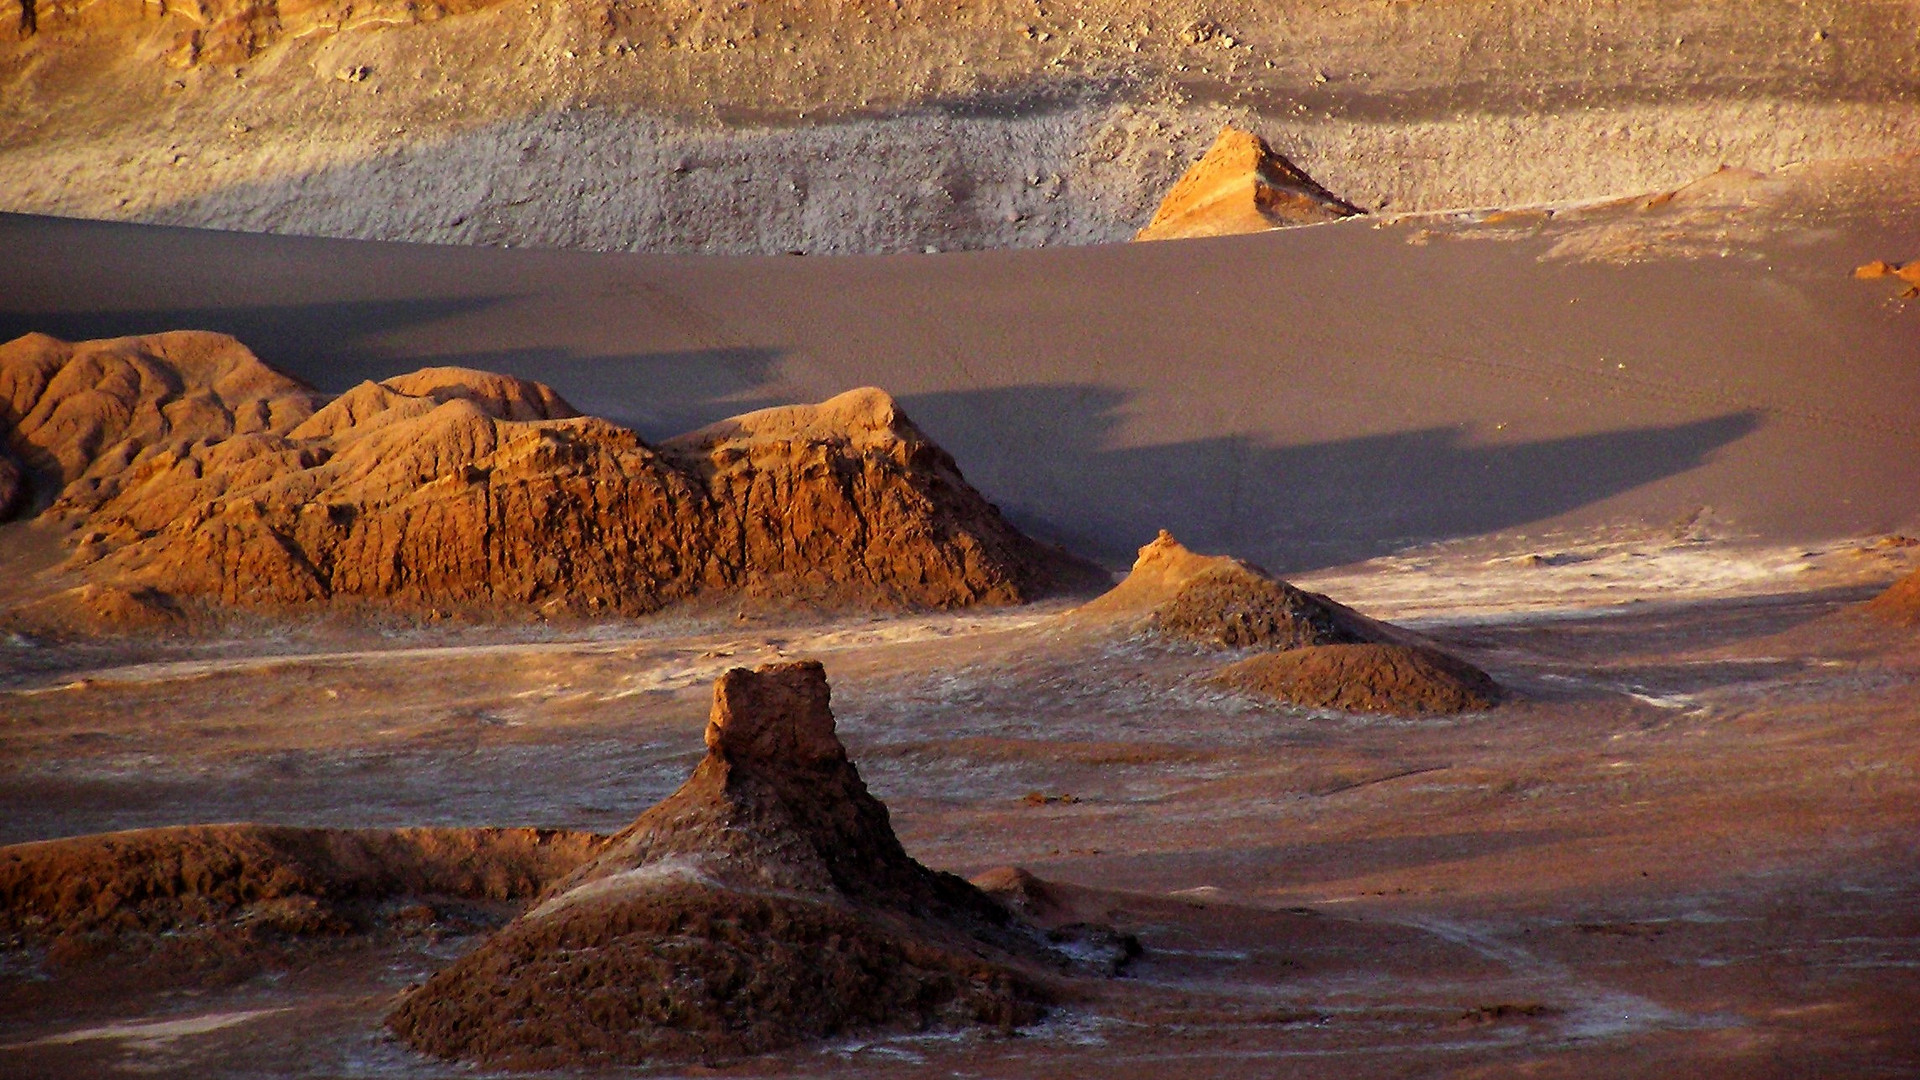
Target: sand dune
[1302,399]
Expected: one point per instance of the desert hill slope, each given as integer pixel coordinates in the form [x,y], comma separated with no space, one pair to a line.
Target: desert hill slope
[862,127]
[764,902]
[1900,603]
[456,489]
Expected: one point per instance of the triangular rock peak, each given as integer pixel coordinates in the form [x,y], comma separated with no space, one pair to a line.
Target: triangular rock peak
[1225,602]
[1242,186]
[765,902]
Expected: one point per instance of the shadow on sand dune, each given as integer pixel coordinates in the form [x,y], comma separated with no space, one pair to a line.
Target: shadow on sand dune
[329,344]
[1044,452]
[336,345]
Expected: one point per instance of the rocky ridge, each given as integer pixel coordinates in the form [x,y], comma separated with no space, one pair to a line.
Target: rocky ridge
[195,472]
[214,890]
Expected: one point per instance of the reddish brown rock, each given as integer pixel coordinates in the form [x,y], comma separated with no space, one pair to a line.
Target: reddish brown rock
[1907,273]
[199,472]
[1403,680]
[765,902]
[1241,186]
[93,417]
[204,877]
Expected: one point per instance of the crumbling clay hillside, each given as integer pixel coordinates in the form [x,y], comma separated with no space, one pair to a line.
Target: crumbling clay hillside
[457,490]
[119,892]
[1242,186]
[1220,601]
[1404,680]
[765,902]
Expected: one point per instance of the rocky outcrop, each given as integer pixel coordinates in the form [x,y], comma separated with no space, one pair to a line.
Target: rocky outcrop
[765,902]
[1241,186]
[118,888]
[1402,680]
[13,486]
[84,420]
[1906,274]
[196,471]
[1223,602]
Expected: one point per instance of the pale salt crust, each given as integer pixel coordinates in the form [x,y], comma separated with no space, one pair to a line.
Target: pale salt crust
[154,1031]
[1437,588]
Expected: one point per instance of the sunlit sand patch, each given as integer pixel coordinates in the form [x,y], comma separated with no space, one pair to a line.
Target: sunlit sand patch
[1582,577]
[155,1032]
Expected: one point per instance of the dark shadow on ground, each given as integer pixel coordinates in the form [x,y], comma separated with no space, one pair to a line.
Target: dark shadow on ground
[335,345]
[1320,860]
[330,344]
[658,394]
[1293,508]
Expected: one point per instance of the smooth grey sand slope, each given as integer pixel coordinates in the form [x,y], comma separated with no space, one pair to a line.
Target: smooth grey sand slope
[1303,398]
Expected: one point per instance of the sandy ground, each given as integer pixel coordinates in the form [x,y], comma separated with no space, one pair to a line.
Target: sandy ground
[902,125]
[1684,844]
[1638,463]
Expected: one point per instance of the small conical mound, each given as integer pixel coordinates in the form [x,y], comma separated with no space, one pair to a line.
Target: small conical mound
[1900,604]
[1402,680]
[765,902]
[1224,602]
[1242,186]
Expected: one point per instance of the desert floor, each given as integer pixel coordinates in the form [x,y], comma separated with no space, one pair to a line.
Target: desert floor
[1638,463]
[1685,843]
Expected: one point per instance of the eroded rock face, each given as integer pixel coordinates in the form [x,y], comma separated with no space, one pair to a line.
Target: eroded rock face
[87,419]
[765,902]
[1241,186]
[200,472]
[779,717]
[13,486]
[1402,680]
